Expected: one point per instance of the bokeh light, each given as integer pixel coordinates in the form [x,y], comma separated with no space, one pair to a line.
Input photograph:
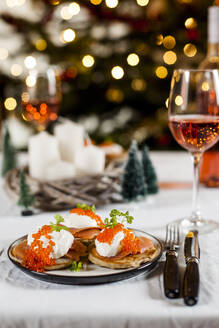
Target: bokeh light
[170,57]
[169,42]
[179,100]
[115,95]
[16,69]
[25,97]
[112,3]
[30,62]
[142,2]
[41,44]
[133,59]
[65,13]
[190,23]
[190,50]
[3,53]
[161,72]
[117,72]
[138,84]
[10,103]
[74,8]
[96,2]
[159,39]
[30,81]
[88,61]
[68,35]
[205,86]
[167,102]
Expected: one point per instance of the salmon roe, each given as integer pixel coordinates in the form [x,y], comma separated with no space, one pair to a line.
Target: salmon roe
[89,213]
[130,243]
[36,256]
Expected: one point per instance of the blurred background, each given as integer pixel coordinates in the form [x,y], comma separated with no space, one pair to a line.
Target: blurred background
[112,61]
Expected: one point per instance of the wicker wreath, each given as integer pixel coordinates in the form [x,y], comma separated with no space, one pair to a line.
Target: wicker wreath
[64,194]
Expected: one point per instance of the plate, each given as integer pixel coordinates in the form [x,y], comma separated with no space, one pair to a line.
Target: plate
[94,274]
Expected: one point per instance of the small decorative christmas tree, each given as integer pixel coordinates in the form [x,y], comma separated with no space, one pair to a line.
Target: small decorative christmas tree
[9,155]
[149,172]
[26,199]
[133,184]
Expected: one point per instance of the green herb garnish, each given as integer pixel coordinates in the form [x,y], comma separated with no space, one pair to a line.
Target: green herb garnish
[86,207]
[114,214]
[56,226]
[76,266]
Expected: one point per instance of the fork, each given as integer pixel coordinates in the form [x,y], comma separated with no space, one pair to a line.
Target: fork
[171,269]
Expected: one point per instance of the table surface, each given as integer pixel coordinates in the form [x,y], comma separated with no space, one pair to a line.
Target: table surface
[137,302]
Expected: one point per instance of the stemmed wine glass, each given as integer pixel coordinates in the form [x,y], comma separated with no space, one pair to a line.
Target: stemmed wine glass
[194,122]
[41,97]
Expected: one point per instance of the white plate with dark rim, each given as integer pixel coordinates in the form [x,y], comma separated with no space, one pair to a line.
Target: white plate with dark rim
[94,274]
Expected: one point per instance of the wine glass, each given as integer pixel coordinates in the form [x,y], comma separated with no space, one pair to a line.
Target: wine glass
[194,122]
[41,97]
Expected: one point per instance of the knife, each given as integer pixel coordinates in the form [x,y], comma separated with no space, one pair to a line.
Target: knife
[191,276]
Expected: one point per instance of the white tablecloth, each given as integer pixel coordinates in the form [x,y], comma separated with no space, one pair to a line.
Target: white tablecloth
[138,302]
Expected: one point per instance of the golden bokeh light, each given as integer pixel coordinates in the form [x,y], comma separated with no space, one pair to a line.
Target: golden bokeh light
[74,8]
[3,53]
[25,97]
[179,100]
[117,72]
[96,2]
[159,39]
[190,23]
[30,81]
[142,3]
[68,35]
[55,2]
[138,84]
[41,44]
[133,59]
[65,13]
[167,102]
[190,50]
[111,3]
[205,86]
[30,62]
[170,57]
[10,103]
[169,42]
[115,95]
[16,69]
[161,72]
[88,61]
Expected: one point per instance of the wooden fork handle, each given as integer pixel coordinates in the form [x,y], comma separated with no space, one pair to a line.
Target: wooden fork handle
[171,275]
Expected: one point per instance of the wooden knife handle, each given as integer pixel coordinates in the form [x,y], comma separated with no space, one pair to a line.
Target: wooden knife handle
[171,275]
[191,282]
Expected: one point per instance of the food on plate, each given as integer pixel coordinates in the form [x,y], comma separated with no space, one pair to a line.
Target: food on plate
[83,223]
[117,247]
[112,150]
[49,247]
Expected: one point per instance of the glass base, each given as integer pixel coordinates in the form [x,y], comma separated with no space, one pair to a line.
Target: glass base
[203,226]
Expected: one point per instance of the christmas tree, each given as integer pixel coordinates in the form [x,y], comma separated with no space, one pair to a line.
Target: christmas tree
[133,183]
[9,155]
[116,56]
[26,199]
[149,172]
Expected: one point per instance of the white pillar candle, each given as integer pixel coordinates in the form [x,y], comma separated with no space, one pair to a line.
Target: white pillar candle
[42,150]
[70,138]
[60,170]
[90,160]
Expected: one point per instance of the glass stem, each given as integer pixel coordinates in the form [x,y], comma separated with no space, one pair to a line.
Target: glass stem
[196,210]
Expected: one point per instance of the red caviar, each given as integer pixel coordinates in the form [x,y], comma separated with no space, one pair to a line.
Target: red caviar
[89,213]
[130,244]
[37,256]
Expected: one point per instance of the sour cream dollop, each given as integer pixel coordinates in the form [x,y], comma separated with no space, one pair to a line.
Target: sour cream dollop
[63,241]
[74,220]
[112,249]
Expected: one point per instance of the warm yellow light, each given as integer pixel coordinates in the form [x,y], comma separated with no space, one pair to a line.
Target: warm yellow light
[10,103]
[16,70]
[190,23]
[117,72]
[68,35]
[115,95]
[74,8]
[142,2]
[65,13]
[55,2]
[112,3]
[190,50]
[170,57]
[138,84]
[3,53]
[167,102]
[133,59]
[205,86]
[30,62]
[179,100]
[25,97]
[88,61]
[169,42]
[41,44]
[159,40]
[30,81]
[96,2]
[161,72]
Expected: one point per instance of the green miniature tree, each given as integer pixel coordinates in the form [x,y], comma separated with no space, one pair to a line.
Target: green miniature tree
[149,172]
[133,183]
[9,154]
[26,199]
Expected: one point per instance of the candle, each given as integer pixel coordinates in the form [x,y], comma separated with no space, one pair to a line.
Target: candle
[42,150]
[90,160]
[70,138]
[60,170]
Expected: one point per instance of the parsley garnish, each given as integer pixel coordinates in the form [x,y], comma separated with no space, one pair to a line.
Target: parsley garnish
[86,207]
[76,266]
[114,214]
[56,226]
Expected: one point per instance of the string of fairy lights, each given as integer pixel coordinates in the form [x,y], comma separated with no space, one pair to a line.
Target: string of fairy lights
[117,72]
